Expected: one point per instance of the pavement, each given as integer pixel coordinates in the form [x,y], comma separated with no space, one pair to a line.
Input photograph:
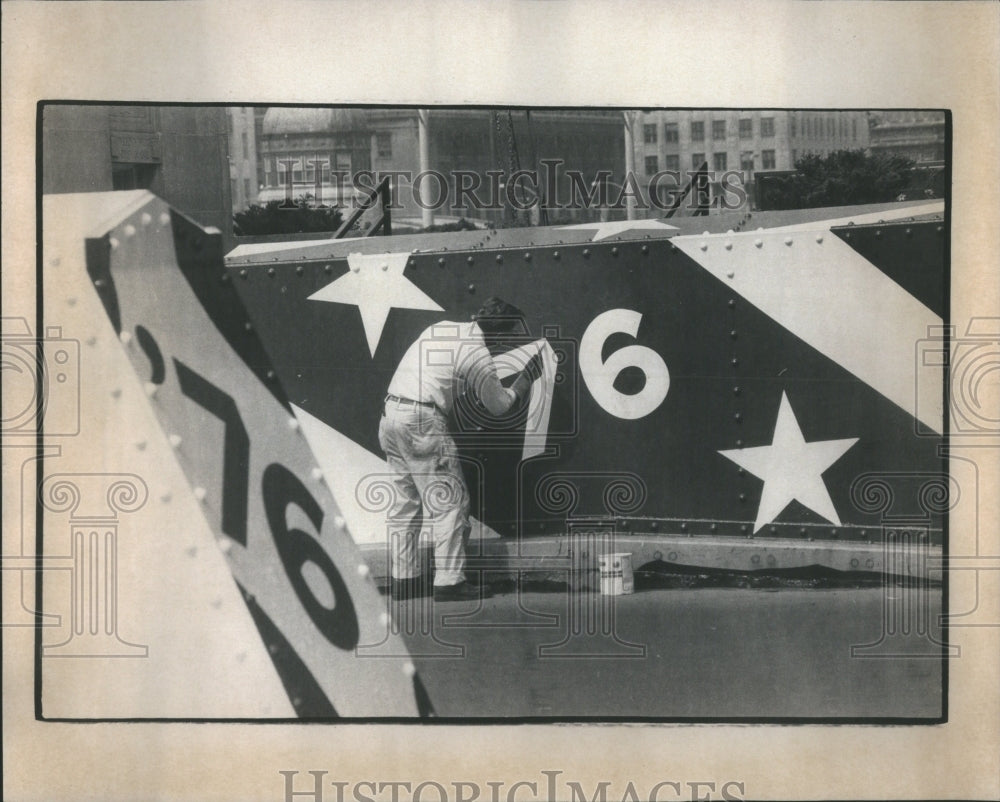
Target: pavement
[679,652]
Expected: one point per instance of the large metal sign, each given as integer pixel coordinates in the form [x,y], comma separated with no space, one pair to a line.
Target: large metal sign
[750,382]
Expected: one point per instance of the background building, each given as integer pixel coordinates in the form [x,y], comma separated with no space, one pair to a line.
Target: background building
[918,135]
[243,178]
[743,140]
[313,141]
[181,153]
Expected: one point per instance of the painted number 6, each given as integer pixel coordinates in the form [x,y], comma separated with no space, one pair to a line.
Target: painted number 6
[600,376]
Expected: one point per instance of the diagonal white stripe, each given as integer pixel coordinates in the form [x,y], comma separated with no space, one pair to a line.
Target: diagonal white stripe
[827,294]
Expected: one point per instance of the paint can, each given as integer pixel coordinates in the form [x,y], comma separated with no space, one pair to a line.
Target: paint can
[616,574]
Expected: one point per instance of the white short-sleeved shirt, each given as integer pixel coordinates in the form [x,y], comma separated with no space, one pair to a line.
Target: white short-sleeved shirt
[446,359]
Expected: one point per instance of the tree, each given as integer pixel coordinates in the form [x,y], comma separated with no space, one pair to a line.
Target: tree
[281,217]
[844,178]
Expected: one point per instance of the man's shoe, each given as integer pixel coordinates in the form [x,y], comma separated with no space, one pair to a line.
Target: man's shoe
[409,588]
[463,591]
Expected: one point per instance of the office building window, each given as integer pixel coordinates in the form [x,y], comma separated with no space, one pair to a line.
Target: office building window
[670,132]
[672,163]
[746,161]
[697,160]
[246,146]
[767,159]
[718,130]
[767,126]
[746,128]
[719,161]
[247,193]
[652,165]
[698,131]
[649,134]
[383,142]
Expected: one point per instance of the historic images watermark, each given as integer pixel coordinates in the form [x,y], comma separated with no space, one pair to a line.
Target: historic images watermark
[317,786]
[551,188]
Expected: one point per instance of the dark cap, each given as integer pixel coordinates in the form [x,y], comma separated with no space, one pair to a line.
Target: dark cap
[496,315]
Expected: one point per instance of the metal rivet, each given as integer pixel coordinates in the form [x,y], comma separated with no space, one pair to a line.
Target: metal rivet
[146,218]
[469,259]
[703,245]
[733,334]
[114,243]
[737,416]
[878,232]
[909,232]
[270,374]
[224,278]
[243,272]
[586,251]
[164,218]
[175,440]
[555,254]
[91,340]
[339,522]
[441,261]
[940,229]
[819,238]
[759,242]
[150,389]
[472,288]
[739,444]
[802,530]
[730,274]
[270,271]
[527,256]
[645,249]
[499,257]
[737,391]
[854,562]
[731,303]
[409,669]
[714,527]
[298,270]
[125,337]
[327,268]
[735,362]
[363,570]
[743,496]
[165,498]
[141,445]
[729,245]
[614,251]
[248,327]
[317,474]
[129,230]
[788,240]
[684,527]
[654,526]
[199,493]
[293,424]
[743,529]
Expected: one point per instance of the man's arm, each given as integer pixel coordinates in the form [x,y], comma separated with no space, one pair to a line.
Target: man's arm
[486,384]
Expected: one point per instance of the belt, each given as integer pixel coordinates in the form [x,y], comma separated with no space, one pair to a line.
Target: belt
[399,400]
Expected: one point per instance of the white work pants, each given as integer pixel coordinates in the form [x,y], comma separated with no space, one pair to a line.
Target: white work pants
[430,492]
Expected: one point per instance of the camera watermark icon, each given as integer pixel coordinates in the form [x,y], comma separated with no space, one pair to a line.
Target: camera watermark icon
[971,364]
[908,505]
[589,617]
[93,502]
[41,381]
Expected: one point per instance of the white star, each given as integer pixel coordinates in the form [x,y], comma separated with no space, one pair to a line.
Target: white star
[618,226]
[375,284]
[791,468]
